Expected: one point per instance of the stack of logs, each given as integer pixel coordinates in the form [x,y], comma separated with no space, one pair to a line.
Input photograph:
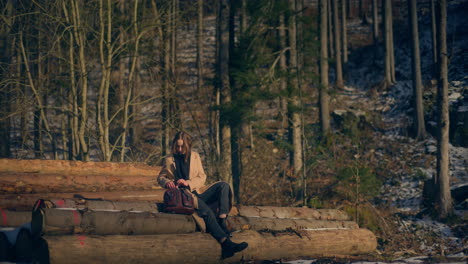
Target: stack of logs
[89,212]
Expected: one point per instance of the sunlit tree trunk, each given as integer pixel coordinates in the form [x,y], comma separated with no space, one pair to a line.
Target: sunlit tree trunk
[80,41]
[323,88]
[416,66]
[73,121]
[388,42]
[131,81]
[442,180]
[105,55]
[294,101]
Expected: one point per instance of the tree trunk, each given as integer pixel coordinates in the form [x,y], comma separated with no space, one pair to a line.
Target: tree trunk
[344,32]
[200,46]
[416,66]
[392,49]
[323,89]
[294,101]
[80,41]
[375,21]
[283,82]
[202,248]
[434,38]
[387,41]
[444,204]
[292,212]
[331,45]
[225,90]
[336,31]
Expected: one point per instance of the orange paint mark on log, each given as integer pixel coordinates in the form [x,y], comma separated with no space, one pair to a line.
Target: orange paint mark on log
[81,240]
[76,217]
[60,203]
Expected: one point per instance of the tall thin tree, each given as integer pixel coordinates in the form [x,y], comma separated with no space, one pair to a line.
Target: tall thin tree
[442,179]
[225,88]
[416,67]
[338,59]
[323,88]
[344,33]
[294,102]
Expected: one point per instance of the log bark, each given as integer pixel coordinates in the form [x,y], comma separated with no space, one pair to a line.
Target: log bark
[32,182]
[14,218]
[52,221]
[292,213]
[77,168]
[25,201]
[141,206]
[278,224]
[202,248]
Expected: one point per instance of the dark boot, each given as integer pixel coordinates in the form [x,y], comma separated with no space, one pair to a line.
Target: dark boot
[229,248]
[222,224]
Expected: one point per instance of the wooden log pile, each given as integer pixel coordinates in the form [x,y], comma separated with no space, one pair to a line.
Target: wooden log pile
[102,212]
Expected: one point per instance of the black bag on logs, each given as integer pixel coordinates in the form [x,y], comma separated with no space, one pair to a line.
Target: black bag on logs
[178,201]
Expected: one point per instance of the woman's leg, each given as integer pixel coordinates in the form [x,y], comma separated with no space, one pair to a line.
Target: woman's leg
[218,193]
[212,225]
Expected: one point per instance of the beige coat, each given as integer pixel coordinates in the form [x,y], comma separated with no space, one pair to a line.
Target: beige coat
[196,178]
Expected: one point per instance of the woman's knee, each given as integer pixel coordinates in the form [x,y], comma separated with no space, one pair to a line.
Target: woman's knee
[224,185]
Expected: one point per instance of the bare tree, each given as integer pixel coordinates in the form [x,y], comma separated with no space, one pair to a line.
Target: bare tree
[442,179]
[344,34]
[323,88]
[7,47]
[283,68]
[434,37]
[416,66]
[375,21]
[225,89]
[331,37]
[388,41]
[338,59]
[200,46]
[295,124]
[80,41]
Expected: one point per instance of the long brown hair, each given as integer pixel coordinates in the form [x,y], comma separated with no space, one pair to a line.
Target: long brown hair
[187,143]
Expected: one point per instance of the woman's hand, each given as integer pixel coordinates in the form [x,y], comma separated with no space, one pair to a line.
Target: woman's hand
[170,185]
[182,183]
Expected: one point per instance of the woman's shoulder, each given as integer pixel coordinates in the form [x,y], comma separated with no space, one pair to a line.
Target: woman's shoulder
[195,154]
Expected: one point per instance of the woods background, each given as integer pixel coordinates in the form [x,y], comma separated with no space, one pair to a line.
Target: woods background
[256,83]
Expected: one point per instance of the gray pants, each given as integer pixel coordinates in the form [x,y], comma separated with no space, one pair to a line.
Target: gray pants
[218,195]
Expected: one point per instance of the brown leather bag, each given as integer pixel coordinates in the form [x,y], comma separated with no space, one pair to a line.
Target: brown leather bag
[178,201]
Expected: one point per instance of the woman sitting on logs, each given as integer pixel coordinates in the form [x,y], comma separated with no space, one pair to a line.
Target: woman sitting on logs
[184,169]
